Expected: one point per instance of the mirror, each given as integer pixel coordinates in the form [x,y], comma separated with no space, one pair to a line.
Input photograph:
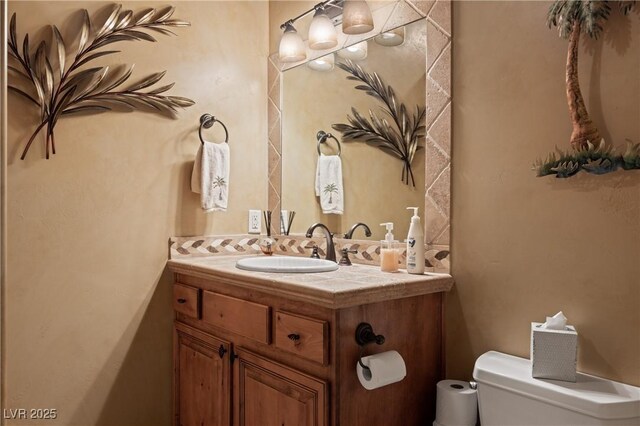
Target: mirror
[315,99]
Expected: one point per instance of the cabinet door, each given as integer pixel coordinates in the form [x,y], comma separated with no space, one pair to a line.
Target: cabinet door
[202,381]
[270,394]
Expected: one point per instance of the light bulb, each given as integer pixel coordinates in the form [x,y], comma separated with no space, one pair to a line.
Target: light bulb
[356,52]
[324,63]
[356,17]
[391,38]
[292,47]
[322,34]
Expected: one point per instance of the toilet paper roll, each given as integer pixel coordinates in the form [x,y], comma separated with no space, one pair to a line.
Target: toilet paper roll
[456,404]
[384,368]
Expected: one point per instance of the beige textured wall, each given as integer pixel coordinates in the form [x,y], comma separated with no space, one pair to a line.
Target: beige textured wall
[525,247]
[373,189]
[88,308]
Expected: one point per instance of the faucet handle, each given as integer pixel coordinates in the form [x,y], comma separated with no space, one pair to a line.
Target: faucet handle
[314,254]
[344,260]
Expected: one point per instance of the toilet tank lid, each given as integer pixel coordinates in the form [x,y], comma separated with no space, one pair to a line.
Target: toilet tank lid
[590,395]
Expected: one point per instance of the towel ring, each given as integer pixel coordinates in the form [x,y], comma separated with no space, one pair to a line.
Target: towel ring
[322,137]
[208,120]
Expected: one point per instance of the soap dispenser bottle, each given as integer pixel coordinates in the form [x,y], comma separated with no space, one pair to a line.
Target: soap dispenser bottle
[415,245]
[389,253]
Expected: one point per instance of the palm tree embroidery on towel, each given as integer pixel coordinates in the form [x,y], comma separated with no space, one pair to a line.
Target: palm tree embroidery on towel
[219,182]
[330,189]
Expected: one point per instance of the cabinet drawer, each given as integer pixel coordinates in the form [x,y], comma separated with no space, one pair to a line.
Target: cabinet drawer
[186,300]
[303,336]
[239,316]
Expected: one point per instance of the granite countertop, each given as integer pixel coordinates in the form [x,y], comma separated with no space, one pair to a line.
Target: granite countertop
[347,286]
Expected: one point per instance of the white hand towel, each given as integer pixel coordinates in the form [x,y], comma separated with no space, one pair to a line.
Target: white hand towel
[210,176]
[329,184]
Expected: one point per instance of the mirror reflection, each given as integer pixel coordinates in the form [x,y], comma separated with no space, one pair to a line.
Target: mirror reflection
[318,95]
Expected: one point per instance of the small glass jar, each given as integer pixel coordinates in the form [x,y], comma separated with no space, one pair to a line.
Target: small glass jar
[266,245]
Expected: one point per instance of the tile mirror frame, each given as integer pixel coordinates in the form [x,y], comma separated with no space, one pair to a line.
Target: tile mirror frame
[436,212]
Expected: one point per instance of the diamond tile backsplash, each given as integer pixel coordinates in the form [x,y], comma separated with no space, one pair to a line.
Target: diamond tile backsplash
[436,258]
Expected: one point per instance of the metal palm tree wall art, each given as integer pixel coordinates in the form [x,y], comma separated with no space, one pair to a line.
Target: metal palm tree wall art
[63,85]
[589,151]
[401,141]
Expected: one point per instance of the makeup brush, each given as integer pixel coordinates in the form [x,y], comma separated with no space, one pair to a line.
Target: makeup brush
[292,214]
[267,221]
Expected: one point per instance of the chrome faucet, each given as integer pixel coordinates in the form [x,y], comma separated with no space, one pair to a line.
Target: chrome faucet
[349,234]
[331,251]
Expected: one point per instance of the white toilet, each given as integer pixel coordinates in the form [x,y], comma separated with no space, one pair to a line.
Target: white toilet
[508,395]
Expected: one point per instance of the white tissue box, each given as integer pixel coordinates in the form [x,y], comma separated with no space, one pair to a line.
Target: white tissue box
[554,353]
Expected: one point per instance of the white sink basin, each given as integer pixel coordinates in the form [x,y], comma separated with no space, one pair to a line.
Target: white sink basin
[286,264]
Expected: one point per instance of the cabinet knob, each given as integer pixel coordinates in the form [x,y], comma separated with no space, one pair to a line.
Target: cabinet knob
[294,337]
[181,300]
[221,351]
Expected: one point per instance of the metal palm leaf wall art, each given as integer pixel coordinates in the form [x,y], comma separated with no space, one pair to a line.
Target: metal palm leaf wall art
[401,141]
[64,84]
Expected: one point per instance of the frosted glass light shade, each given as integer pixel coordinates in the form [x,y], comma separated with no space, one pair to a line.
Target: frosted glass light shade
[356,52]
[356,17]
[325,63]
[391,38]
[322,34]
[292,48]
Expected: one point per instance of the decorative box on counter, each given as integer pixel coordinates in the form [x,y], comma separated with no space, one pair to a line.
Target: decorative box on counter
[554,353]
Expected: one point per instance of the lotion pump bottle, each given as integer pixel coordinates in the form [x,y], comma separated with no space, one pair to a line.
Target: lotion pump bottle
[389,255]
[415,245]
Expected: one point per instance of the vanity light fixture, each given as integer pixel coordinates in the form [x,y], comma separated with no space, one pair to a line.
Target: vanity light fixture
[291,47]
[391,38]
[324,63]
[356,17]
[356,52]
[322,33]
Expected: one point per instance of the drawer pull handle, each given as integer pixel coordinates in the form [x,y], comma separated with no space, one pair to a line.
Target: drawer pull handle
[221,351]
[294,337]
[181,300]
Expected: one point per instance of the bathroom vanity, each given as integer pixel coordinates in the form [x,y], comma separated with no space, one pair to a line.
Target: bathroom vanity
[257,348]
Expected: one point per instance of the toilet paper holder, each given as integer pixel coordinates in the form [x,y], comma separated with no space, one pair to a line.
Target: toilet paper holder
[364,336]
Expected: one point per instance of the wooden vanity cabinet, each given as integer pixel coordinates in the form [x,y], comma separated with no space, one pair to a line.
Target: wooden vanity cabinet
[267,393]
[202,378]
[248,358]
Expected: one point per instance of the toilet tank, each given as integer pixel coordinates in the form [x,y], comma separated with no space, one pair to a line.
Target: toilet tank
[508,395]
